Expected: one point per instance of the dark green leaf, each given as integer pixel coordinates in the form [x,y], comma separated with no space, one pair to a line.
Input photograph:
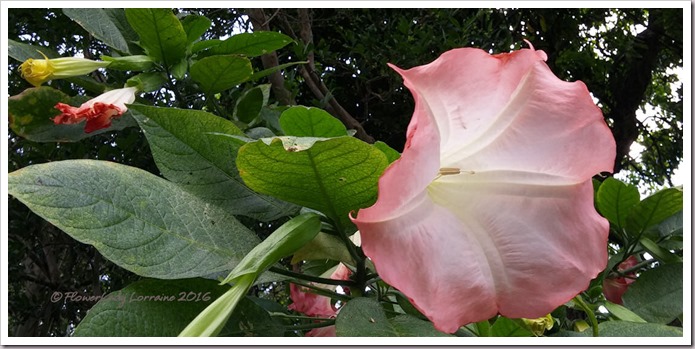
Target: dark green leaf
[635,329]
[148,82]
[202,45]
[657,251]
[21,51]
[615,200]
[265,72]
[657,294]
[195,26]
[622,313]
[333,176]
[655,209]
[137,220]
[504,327]
[202,163]
[249,106]
[364,317]
[31,111]
[252,44]
[161,34]
[310,122]
[99,23]
[219,73]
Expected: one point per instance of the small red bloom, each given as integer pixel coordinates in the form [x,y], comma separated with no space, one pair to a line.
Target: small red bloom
[98,111]
[615,287]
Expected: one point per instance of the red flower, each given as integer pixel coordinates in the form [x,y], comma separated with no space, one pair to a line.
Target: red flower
[615,287]
[490,207]
[97,111]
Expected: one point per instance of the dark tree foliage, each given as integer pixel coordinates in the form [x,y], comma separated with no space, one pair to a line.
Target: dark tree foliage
[627,58]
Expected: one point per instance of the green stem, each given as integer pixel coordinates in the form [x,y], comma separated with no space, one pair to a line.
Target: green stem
[322,291]
[316,279]
[592,317]
[298,317]
[311,326]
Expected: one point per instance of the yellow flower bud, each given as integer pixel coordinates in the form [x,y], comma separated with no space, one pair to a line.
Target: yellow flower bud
[38,71]
[540,325]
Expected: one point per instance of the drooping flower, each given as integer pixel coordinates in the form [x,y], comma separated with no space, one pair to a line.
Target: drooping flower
[98,111]
[490,207]
[615,287]
[38,71]
[312,304]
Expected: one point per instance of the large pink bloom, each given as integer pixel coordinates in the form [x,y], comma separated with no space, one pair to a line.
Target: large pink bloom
[490,207]
[98,111]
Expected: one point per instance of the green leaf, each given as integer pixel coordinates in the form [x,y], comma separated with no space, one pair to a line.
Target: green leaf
[364,317]
[391,154]
[252,44]
[310,122]
[283,242]
[219,73]
[204,44]
[161,33]
[202,163]
[615,200]
[636,329]
[657,251]
[31,111]
[622,313]
[657,294]
[333,176]
[195,26]
[672,226]
[148,82]
[99,24]
[655,209]
[249,106]
[137,220]
[504,327]
[21,51]
[163,308]
[214,317]
[324,246]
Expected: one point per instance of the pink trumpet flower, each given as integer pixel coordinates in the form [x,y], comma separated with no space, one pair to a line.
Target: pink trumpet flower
[615,287]
[490,207]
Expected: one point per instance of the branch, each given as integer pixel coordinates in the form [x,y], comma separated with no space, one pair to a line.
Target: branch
[316,85]
[270,60]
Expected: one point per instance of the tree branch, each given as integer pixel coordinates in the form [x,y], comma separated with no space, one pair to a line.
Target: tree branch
[270,60]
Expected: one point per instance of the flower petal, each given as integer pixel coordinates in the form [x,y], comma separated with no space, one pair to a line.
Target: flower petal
[97,111]
[490,207]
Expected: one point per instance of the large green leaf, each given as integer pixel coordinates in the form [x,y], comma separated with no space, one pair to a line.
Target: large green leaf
[99,23]
[161,33]
[163,308]
[203,163]
[636,329]
[218,73]
[334,176]
[655,209]
[657,295]
[137,220]
[252,44]
[31,111]
[615,200]
[364,317]
[310,122]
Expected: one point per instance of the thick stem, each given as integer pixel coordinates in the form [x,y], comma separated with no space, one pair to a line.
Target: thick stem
[592,317]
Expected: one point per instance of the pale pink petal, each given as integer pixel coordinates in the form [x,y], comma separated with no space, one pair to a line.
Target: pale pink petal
[309,303]
[515,231]
[614,288]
